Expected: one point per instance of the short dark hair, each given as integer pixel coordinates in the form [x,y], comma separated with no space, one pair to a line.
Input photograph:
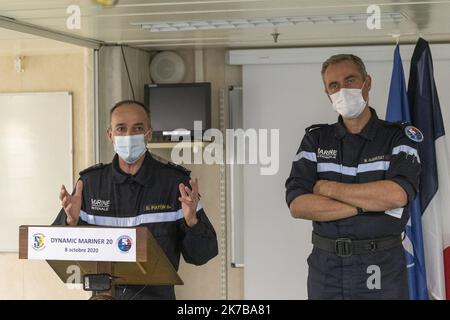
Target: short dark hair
[345,57]
[138,103]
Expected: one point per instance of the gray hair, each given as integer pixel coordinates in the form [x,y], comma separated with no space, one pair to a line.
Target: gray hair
[345,57]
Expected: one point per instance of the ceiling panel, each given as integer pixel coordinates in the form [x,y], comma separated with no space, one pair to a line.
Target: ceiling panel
[118,24]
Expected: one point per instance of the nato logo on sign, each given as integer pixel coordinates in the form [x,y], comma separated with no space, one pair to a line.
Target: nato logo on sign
[38,241]
[124,243]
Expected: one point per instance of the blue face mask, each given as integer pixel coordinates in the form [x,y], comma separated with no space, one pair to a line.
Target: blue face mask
[130,148]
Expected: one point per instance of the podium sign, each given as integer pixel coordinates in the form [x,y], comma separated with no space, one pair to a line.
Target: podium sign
[131,255]
[82,244]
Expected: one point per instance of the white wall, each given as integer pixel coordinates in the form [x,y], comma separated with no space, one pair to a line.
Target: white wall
[290,97]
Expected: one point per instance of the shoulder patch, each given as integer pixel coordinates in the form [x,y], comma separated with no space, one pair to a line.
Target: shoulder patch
[315,126]
[92,168]
[413,133]
[410,131]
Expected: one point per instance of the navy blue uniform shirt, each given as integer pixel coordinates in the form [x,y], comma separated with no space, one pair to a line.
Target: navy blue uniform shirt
[149,198]
[381,151]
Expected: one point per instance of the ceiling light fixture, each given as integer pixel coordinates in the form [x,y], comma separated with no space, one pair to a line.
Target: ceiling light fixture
[263,22]
[106,3]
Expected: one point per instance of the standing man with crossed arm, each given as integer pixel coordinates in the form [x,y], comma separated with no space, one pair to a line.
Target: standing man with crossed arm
[354,180]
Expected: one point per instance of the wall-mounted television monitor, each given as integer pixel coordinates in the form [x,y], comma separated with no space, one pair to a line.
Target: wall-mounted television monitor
[176,106]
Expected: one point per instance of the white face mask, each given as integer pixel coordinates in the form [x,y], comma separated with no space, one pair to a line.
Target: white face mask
[130,148]
[349,103]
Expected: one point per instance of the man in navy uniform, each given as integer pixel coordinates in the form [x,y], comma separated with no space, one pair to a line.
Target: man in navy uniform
[138,190]
[354,180]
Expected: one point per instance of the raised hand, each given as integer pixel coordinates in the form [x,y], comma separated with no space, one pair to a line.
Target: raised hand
[189,201]
[72,203]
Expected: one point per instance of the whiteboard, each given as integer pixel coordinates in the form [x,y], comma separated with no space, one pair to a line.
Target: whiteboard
[35,159]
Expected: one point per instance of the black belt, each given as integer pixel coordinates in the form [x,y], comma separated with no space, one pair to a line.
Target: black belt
[345,247]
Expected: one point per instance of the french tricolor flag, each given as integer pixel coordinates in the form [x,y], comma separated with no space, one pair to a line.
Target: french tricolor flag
[435,175]
[398,110]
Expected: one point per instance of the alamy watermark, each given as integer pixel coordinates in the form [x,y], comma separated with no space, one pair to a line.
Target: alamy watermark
[374,280]
[374,19]
[73,22]
[74,279]
[238,146]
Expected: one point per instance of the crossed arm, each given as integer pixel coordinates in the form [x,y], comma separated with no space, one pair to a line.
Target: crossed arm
[332,200]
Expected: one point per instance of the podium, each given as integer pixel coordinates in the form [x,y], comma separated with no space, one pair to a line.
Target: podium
[127,256]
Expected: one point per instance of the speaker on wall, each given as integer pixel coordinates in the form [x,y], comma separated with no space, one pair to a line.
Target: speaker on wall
[167,67]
